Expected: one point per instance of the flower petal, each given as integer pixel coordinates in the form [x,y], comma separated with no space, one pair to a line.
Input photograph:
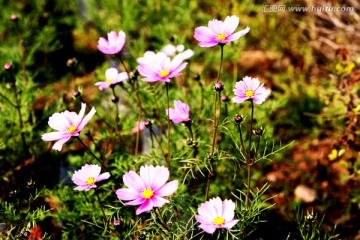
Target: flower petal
[168,189]
[127,194]
[58,145]
[132,180]
[145,207]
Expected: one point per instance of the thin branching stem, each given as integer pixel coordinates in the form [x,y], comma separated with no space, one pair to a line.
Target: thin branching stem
[92,154]
[162,221]
[168,125]
[248,159]
[104,215]
[242,142]
[256,151]
[188,125]
[21,123]
[215,123]
[117,119]
[138,100]
[152,133]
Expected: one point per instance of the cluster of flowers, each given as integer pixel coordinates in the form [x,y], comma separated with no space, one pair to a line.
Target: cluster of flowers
[149,188]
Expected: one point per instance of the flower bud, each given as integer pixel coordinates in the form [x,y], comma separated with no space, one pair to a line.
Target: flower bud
[117,222]
[225,98]
[196,77]
[259,131]
[14,17]
[114,99]
[238,119]
[77,94]
[71,62]
[189,142]
[219,87]
[147,123]
[7,66]
[87,133]
[142,237]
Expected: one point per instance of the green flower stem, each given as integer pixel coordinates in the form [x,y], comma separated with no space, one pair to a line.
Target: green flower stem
[21,123]
[256,151]
[92,154]
[248,159]
[242,142]
[8,100]
[104,215]
[158,142]
[162,221]
[215,122]
[117,119]
[138,100]
[168,125]
[214,126]
[188,125]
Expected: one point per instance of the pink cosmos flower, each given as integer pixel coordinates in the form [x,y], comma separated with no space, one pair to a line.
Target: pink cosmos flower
[114,44]
[68,124]
[215,214]
[250,88]
[161,68]
[181,113]
[219,32]
[147,189]
[139,126]
[112,77]
[87,176]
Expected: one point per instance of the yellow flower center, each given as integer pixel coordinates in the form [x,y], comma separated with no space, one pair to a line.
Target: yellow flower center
[249,93]
[184,116]
[164,73]
[72,129]
[147,193]
[109,80]
[219,221]
[90,181]
[221,36]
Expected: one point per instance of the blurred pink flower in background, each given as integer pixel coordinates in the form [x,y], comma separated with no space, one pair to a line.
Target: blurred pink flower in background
[114,44]
[147,189]
[159,67]
[68,124]
[250,88]
[214,214]
[219,32]
[87,176]
[139,126]
[171,50]
[112,77]
[181,112]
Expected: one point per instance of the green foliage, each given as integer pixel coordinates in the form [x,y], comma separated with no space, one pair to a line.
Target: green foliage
[309,226]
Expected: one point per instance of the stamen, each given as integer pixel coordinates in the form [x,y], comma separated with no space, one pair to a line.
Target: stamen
[90,181]
[249,93]
[219,221]
[72,129]
[110,80]
[164,73]
[221,36]
[147,193]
